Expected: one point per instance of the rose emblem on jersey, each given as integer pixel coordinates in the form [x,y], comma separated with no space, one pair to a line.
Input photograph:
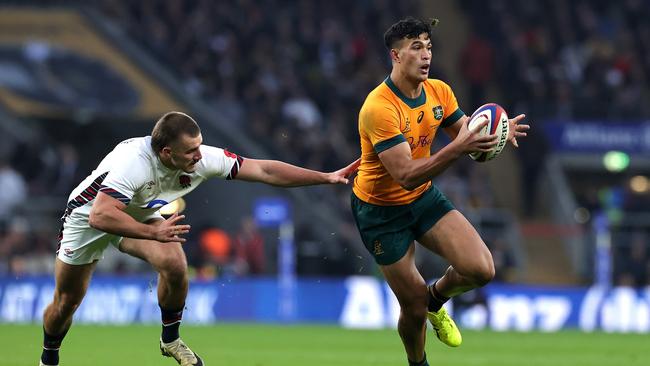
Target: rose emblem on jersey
[437,112]
[185,181]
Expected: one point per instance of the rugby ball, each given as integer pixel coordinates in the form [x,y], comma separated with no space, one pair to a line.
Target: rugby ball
[497,124]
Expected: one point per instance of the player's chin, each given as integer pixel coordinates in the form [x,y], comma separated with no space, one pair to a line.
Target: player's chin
[423,75]
[190,168]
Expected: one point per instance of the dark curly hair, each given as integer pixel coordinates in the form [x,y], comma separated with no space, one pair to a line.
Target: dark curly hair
[407,28]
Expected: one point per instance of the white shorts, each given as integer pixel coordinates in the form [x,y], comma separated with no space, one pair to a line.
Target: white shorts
[84,245]
[81,244]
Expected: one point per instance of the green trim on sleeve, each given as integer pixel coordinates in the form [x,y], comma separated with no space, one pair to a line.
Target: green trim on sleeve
[387,144]
[453,118]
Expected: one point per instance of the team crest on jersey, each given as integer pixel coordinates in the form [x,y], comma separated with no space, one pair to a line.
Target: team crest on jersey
[185,181]
[438,112]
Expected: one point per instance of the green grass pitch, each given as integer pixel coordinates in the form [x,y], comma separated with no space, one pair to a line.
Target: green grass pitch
[272,345]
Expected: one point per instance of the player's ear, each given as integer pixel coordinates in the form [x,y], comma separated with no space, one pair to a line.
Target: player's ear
[394,54]
[166,151]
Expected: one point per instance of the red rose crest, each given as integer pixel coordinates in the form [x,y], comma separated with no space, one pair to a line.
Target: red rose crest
[185,181]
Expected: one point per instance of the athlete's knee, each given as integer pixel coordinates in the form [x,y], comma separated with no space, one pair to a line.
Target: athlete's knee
[173,266]
[417,314]
[479,270]
[66,304]
[414,304]
[483,273]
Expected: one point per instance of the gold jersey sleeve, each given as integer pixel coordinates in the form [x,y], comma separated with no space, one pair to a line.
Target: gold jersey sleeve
[379,122]
[388,118]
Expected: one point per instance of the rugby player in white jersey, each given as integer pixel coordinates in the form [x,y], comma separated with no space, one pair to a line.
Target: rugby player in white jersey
[118,205]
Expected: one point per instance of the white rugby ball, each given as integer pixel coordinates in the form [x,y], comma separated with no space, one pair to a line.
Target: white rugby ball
[497,124]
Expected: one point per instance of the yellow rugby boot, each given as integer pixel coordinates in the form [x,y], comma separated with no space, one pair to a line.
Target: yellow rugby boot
[445,328]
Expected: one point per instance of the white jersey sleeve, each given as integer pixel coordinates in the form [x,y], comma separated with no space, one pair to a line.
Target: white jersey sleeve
[217,162]
[127,177]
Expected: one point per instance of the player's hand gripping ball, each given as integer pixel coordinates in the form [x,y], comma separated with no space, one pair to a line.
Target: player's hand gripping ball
[497,124]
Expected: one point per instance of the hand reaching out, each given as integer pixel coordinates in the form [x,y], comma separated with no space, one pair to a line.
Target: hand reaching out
[169,230]
[342,175]
[516,130]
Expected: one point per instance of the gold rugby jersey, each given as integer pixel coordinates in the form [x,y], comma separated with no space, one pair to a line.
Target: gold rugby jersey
[388,118]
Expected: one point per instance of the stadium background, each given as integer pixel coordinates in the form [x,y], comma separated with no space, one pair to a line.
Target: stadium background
[566,216]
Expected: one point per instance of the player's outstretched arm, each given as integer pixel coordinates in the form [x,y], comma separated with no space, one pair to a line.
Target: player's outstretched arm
[281,174]
[107,214]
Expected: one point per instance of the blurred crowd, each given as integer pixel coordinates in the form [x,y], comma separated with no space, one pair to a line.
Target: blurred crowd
[559,60]
[566,60]
[294,81]
[293,75]
[33,178]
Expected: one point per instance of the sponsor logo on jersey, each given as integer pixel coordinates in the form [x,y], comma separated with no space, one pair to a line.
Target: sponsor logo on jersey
[229,154]
[423,140]
[420,116]
[156,204]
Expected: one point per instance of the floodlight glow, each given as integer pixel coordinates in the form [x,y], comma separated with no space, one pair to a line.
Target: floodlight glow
[639,184]
[616,161]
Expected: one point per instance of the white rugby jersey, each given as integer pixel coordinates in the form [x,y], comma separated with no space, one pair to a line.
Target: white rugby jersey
[133,174]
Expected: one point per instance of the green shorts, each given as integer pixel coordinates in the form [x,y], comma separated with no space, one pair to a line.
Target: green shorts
[388,231]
